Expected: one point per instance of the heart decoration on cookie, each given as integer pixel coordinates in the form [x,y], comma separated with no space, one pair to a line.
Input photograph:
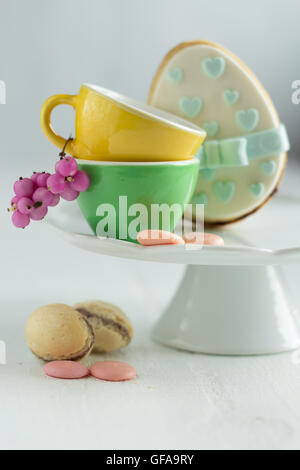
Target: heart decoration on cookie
[268,167]
[175,75]
[244,155]
[211,128]
[231,97]
[208,174]
[200,198]
[257,189]
[214,67]
[248,119]
[191,107]
[224,190]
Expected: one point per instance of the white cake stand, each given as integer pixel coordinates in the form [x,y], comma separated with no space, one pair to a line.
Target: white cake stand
[233,300]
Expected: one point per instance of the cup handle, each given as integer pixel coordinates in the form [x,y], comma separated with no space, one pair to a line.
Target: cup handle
[46,112]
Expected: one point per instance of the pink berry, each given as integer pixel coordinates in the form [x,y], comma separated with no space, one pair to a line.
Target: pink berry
[69,194]
[81,181]
[15,200]
[43,195]
[56,183]
[67,166]
[13,204]
[25,205]
[42,180]
[20,220]
[39,213]
[24,187]
[35,176]
[56,200]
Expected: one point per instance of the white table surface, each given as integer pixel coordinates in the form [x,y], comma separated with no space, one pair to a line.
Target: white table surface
[179,401]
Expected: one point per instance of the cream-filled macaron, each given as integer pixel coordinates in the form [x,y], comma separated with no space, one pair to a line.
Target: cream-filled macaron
[112,328]
[59,332]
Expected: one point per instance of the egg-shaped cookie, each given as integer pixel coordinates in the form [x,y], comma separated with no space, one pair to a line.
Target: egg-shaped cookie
[244,157]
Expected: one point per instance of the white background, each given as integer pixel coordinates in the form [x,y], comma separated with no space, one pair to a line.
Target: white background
[49,47]
[179,400]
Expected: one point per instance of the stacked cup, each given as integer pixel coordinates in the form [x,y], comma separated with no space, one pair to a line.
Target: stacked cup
[140,161]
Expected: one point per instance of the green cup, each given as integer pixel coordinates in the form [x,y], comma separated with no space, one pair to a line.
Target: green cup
[125,198]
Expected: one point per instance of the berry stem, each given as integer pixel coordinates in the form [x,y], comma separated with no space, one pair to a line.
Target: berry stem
[63,153]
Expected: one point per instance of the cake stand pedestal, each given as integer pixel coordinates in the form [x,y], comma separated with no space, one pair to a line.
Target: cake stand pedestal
[231,310]
[233,300]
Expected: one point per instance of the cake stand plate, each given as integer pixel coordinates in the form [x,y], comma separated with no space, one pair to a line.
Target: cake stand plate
[233,300]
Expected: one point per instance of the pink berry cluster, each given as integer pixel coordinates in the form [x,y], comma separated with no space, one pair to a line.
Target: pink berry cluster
[33,196]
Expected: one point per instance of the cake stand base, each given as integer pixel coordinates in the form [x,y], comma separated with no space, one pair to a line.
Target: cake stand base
[231,311]
[234,299]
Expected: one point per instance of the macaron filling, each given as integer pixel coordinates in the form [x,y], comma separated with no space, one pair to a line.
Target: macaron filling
[107,322]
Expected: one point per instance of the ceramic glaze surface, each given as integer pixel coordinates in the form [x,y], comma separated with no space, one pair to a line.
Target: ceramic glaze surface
[270,237]
[151,184]
[252,312]
[108,129]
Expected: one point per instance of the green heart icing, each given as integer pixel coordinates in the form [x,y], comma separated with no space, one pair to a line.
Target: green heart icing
[214,67]
[231,96]
[257,189]
[211,128]
[208,174]
[191,107]
[200,198]
[248,119]
[175,75]
[268,167]
[224,190]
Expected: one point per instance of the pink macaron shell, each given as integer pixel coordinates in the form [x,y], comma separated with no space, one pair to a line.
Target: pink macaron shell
[199,238]
[66,370]
[158,237]
[113,371]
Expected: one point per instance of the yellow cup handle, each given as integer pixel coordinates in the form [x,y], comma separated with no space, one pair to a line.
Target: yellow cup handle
[46,112]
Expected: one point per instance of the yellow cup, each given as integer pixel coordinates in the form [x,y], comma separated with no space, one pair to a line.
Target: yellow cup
[112,127]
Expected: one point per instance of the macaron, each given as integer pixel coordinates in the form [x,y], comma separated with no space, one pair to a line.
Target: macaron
[66,370]
[158,237]
[58,332]
[113,371]
[200,238]
[112,328]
